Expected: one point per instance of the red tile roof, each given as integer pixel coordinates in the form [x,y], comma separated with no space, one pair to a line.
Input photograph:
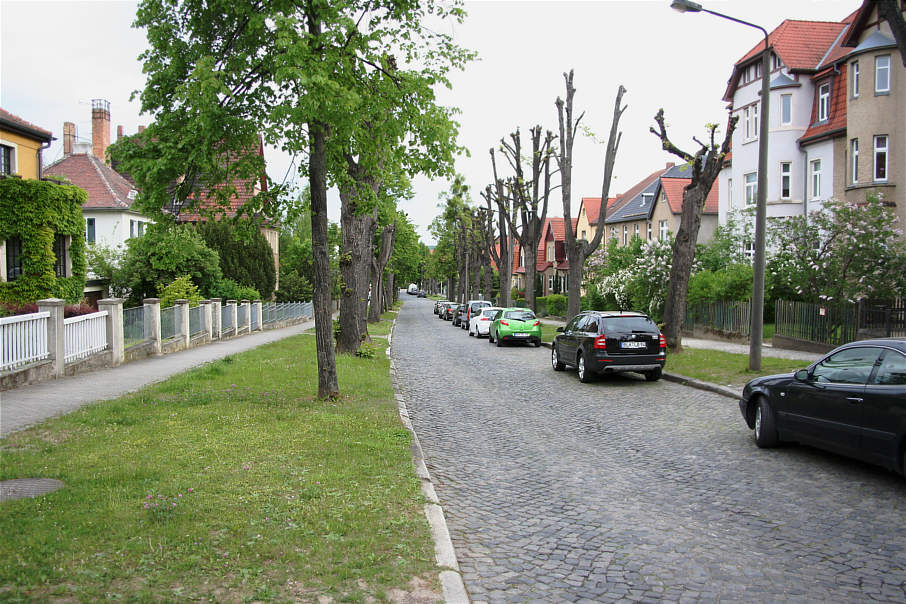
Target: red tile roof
[17,122]
[593,207]
[106,188]
[836,122]
[673,188]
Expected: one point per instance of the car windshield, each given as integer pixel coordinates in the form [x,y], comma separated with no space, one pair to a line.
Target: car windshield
[629,324]
[520,315]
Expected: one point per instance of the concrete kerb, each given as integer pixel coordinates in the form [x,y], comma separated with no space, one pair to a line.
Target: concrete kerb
[454,590]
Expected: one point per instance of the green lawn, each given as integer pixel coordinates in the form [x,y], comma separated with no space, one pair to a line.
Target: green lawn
[725,368]
[279,496]
[548,332]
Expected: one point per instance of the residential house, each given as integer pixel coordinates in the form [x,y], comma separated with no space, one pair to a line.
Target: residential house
[589,210]
[21,144]
[631,213]
[551,261]
[668,206]
[110,218]
[807,122]
[875,97]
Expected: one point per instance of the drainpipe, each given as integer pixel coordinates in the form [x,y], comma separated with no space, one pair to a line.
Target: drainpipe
[40,163]
[805,186]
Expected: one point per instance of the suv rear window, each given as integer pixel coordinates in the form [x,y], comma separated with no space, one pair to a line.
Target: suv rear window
[629,324]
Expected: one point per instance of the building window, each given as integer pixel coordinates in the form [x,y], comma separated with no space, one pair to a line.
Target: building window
[7,160]
[649,230]
[854,159]
[59,251]
[625,234]
[729,191]
[550,282]
[613,232]
[583,234]
[13,258]
[786,173]
[754,121]
[748,248]
[550,251]
[881,158]
[141,228]
[89,230]
[823,102]
[757,70]
[748,121]
[882,74]
[816,178]
[854,75]
[777,62]
[751,188]
[786,109]
[662,230]
[131,228]
[636,229]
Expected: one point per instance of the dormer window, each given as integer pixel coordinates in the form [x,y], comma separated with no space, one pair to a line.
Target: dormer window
[823,102]
[777,62]
[132,194]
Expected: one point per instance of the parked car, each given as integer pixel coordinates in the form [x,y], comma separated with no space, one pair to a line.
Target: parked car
[412,290]
[458,314]
[422,293]
[609,342]
[438,305]
[515,325]
[448,310]
[473,307]
[480,323]
[851,401]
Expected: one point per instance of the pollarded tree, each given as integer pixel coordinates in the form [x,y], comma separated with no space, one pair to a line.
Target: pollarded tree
[706,163]
[303,74]
[577,250]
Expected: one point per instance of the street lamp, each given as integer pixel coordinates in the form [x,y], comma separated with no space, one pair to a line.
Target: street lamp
[757,325]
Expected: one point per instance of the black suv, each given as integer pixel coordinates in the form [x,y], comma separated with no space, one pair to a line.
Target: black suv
[597,341]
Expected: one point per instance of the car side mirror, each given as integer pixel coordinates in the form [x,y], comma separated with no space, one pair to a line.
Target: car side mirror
[801,375]
[559,330]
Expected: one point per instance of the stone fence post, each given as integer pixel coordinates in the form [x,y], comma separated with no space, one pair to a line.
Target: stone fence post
[248,316]
[208,319]
[217,315]
[259,314]
[231,304]
[182,318]
[152,316]
[115,338]
[54,332]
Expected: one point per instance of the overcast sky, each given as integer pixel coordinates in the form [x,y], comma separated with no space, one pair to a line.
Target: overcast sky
[57,56]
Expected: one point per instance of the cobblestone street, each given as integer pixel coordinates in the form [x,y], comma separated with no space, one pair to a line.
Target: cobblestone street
[557,491]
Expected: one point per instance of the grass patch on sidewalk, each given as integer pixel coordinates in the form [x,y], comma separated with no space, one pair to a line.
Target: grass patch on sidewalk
[278,496]
[725,368]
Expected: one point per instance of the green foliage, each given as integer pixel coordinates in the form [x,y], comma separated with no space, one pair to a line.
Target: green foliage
[726,248]
[733,282]
[633,277]
[181,288]
[293,287]
[367,351]
[165,253]
[227,289]
[593,300]
[556,305]
[107,262]
[245,255]
[35,211]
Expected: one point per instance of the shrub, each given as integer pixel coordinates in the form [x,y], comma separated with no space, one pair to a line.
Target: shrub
[180,289]
[244,253]
[556,305]
[294,287]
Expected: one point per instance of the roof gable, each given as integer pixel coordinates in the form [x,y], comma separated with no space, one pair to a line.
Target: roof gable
[105,187]
[836,119]
[20,126]
[673,190]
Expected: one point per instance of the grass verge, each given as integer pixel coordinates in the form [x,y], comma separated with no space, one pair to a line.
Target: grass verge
[725,368]
[278,496]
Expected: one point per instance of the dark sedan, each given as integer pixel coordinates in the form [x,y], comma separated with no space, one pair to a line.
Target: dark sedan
[852,401]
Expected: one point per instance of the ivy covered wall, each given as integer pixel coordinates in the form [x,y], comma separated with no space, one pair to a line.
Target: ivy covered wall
[35,211]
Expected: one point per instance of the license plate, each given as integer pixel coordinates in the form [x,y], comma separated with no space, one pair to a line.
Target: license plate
[633,345]
[520,335]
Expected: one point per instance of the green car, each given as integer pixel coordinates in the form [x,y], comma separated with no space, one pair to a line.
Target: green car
[515,325]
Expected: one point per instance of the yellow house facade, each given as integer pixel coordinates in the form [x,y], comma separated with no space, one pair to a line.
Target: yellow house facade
[21,144]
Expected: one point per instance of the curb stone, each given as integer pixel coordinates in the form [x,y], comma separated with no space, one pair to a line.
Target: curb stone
[454,590]
[688,381]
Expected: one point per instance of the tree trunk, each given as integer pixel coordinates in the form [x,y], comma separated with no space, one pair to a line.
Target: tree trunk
[683,255]
[388,292]
[317,171]
[378,263]
[488,292]
[355,264]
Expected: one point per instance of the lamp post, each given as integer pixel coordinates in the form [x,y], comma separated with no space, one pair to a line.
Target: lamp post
[757,325]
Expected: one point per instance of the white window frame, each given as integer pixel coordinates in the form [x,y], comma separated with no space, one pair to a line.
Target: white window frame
[93,230]
[729,192]
[882,66]
[636,234]
[786,109]
[881,151]
[663,231]
[649,230]
[550,251]
[786,179]
[854,75]
[748,122]
[625,234]
[854,160]
[751,180]
[13,155]
[754,121]
[824,102]
[815,177]
[748,249]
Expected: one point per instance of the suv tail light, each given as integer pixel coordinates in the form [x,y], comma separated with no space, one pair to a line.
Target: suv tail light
[601,341]
[663,341]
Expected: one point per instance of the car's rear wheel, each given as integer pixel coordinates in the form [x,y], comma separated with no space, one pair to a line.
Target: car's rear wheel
[585,374]
[555,359]
[654,375]
[490,338]
[765,428]
[499,341]
[537,343]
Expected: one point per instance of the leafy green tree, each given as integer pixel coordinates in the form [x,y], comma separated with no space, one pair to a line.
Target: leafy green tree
[181,288]
[245,255]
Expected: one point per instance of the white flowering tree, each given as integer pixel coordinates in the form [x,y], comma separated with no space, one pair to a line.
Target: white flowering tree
[634,277]
[846,252]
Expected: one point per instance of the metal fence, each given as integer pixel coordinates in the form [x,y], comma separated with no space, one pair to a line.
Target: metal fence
[255,319]
[135,326]
[882,321]
[84,336]
[282,311]
[196,320]
[726,316]
[169,323]
[23,340]
[226,318]
[242,316]
[828,324]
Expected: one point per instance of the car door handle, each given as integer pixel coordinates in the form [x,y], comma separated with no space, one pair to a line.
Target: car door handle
[855,400]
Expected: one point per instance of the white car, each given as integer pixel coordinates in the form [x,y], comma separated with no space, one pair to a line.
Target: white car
[481,323]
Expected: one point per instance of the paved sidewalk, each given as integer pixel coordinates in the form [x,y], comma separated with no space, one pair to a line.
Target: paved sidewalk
[27,405]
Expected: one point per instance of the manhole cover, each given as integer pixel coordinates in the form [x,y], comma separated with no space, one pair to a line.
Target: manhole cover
[20,488]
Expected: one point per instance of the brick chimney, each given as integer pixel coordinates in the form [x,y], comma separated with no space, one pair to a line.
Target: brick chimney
[119,133]
[69,137]
[670,164]
[100,127]
[141,129]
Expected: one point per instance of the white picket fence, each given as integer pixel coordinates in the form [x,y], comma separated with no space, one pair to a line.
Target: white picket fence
[23,340]
[84,336]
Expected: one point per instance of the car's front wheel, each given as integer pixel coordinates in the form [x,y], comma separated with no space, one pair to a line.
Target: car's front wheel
[555,359]
[765,428]
[585,374]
